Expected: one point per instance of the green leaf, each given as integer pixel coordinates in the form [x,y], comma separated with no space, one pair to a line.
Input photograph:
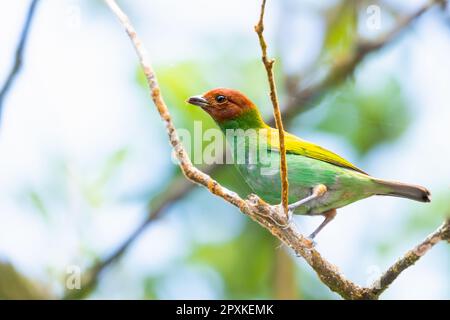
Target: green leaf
[367,117]
[245,263]
[430,216]
[341,31]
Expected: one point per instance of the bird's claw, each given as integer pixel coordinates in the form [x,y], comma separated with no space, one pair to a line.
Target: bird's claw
[289,216]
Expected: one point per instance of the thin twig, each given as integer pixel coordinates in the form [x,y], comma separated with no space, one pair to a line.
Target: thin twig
[268,64]
[18,57]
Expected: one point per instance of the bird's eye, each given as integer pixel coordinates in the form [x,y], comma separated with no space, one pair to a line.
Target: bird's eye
[221,99]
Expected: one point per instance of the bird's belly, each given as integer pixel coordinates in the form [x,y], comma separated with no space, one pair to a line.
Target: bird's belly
[343,186]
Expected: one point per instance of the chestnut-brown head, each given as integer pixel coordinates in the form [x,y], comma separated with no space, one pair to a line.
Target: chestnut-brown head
[224,104]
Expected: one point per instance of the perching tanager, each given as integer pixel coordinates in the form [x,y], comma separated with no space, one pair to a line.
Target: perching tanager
[320,181]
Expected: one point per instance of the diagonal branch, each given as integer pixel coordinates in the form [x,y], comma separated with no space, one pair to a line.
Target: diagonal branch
[18,57]
[441,234]
[268,64]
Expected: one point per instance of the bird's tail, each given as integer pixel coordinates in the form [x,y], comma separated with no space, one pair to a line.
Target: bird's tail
[403,190]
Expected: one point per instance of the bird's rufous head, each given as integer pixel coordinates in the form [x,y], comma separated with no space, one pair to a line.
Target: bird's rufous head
[223,104]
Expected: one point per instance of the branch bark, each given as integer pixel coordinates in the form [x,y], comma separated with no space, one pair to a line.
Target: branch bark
[18,57]
[261,212]
[268,64]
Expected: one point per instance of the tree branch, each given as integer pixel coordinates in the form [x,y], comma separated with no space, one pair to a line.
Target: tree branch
[256,208]
[441,234]
[18,58]
[268,64]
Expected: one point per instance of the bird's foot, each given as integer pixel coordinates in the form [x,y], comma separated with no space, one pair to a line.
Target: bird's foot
[329,215]
[311,243]
[277,216]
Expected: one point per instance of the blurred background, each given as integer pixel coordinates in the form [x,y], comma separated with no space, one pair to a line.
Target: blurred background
[87,187]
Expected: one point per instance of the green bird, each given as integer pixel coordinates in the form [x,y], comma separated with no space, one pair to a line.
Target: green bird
[320,181]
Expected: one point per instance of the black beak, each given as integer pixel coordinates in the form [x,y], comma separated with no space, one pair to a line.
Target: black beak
[198,101]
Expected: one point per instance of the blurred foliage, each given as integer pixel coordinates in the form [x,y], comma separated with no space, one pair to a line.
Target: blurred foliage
[150,287]
[284,274]
[13,285]
[420,223]
[367,117]
[428,218]
[246,263]
[341,31]
[38,203]
[93,190]
[310,286]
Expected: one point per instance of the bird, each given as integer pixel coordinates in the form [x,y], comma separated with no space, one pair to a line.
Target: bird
[320,181]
